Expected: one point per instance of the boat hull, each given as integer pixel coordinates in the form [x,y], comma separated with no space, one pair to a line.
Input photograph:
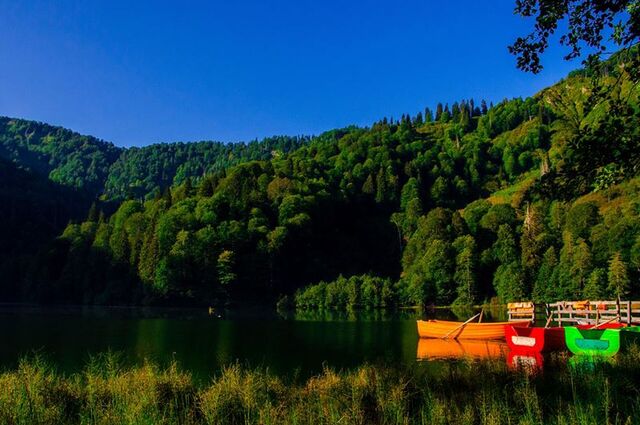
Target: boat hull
[600,342]
[454,330]
[535,339]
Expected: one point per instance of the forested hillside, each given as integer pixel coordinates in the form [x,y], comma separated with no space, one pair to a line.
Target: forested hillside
[531,198]
[51,175]
[100,169]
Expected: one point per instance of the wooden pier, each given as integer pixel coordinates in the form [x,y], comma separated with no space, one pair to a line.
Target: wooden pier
[567,313]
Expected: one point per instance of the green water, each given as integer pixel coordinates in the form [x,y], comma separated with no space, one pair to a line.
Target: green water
[286,344]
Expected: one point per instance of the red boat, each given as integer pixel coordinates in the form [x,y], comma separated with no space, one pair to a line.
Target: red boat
[536,339]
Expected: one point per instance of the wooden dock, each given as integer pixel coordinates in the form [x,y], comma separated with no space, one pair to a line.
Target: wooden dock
[567,313]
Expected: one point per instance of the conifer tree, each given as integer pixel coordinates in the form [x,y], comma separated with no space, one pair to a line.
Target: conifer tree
[428,115]
[596,286]
[544,289]
[618,278]
[226,261]
[465,272]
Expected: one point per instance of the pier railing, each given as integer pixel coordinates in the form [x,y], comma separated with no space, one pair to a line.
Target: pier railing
[563,313]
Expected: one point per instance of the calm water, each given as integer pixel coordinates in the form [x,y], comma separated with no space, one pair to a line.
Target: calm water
[202,343]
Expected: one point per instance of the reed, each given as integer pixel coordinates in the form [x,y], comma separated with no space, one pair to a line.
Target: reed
[463,392]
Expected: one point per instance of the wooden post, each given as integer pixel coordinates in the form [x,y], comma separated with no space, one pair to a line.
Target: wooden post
[546,310]
[546,325]
[628,313]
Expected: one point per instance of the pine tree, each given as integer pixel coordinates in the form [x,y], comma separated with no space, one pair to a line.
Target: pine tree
[446,114]
[410,191]
[439,110]
[226,261]
[596,286]
[93,214]
[563,275]
[529,242]
[483,107]
[368,186]
[544,286]
[428,115]
[508,282]
[381,186]
[505,249]
[465,272]
[618,278]
[455,112]
[581,268]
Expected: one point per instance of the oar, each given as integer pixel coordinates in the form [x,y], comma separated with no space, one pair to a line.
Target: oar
[546,325]
[481,313]
[604,323]
[461,325]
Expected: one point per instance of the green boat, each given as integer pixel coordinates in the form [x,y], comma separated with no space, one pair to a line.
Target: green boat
[600,342]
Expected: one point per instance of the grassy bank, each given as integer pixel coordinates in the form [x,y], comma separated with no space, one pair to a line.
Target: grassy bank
[460,393]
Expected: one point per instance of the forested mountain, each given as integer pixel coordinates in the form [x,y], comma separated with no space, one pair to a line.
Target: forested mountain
[532,198]
[65,157]
[139,172]
[98,168]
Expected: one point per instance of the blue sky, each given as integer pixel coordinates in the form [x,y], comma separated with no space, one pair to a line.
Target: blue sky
[140,72]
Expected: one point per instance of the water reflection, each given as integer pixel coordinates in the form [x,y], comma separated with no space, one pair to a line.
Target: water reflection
[531,362]
[300,343]
[435,348]
[303,344]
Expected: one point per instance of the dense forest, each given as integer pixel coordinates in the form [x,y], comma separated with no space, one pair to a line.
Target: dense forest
[535,198]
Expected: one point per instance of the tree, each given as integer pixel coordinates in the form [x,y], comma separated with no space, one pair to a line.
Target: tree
[93,213]
[465,272]
[226,261]
[588,22]
[618,278]
[544,288]
[428,115]
[483,107]
[581,218]
[582,265]
[596,286]
[509,282]
[429,278]
[505,249]
[530,242]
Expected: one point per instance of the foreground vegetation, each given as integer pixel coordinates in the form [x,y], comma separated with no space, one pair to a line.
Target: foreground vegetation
[464,392]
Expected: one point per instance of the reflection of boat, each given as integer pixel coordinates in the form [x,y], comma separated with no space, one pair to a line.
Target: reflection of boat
[535,339]
[600,342]
[531,361]
[432,348]
[459,330]
[588,363]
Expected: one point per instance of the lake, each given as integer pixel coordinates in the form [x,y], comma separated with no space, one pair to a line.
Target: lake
[288,344]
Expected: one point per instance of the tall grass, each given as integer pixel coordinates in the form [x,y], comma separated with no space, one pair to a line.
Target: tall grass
[465,392]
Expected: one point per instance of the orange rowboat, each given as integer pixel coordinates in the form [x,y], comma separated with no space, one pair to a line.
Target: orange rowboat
[459,330]
[452,349]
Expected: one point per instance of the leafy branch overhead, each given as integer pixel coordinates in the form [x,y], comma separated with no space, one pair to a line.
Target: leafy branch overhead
[591,24]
